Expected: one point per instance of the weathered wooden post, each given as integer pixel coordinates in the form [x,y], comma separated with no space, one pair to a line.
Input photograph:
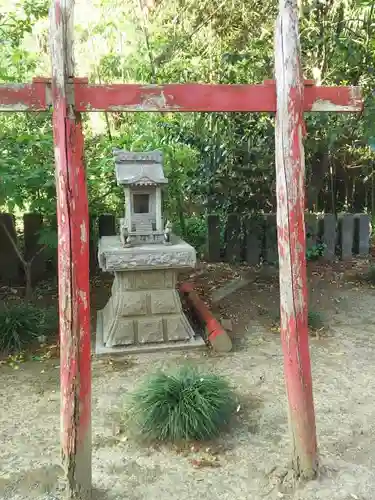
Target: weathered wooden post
[290,178]
[73,260]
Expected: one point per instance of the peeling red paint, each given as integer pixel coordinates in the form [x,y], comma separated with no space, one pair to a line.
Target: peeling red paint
[293,98]
[23,97]
[73,263]
[80,267]
[176,97]
[204,97]
[73,266]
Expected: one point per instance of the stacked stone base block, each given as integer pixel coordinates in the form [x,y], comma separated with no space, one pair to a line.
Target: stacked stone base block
[144,310]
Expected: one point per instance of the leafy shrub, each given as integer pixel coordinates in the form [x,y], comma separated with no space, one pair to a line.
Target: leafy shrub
[22,323]
[194,231]
[186,405]
[316,251]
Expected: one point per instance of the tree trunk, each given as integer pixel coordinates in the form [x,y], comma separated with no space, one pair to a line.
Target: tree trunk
[318,172]
[290,183]
[28,281]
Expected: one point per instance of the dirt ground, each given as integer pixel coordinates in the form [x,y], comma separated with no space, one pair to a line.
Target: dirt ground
[253,457]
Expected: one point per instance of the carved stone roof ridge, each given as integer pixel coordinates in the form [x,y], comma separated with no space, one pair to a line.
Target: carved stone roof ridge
[133,168]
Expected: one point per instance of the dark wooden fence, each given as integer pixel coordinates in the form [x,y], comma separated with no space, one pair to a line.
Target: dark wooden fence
[238,239]
[254,239]
[44,260]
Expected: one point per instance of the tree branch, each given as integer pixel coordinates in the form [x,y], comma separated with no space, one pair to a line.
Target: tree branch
[101,197]
[24,262]
[43,247]
[147,41]
[14,245]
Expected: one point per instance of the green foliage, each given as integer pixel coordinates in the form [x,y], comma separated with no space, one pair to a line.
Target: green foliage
[193,230]
[316,251]
[21,323]
[16,23]
[27,164]
[48,238]
[217,163]
[185,405]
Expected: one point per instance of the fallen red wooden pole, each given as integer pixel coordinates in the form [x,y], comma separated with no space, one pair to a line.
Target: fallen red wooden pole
[290,190]
[216,334]
[73,263]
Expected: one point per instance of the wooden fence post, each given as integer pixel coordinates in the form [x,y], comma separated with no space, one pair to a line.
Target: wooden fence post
[254,237]
[9,261]
[213,238]
[93,244]
[107,225]
[233,243]
[346,235]
[73,260]
[290,187]
[270,254]
[329,236]
[362,236]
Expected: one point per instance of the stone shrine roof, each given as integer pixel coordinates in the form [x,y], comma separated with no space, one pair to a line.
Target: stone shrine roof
[139,169]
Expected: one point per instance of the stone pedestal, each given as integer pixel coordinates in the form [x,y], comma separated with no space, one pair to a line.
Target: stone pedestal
[144,311]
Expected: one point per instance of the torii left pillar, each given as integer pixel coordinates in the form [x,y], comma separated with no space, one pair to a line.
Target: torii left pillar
[73,260]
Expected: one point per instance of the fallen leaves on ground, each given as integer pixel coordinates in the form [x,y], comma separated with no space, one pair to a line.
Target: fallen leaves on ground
[212,461]
[117,364]
[41,354]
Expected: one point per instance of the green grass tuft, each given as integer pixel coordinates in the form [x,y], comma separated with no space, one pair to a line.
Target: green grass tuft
[185,405]
[21,323]
[315,320]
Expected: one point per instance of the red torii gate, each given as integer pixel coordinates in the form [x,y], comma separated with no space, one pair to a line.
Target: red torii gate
[289,97]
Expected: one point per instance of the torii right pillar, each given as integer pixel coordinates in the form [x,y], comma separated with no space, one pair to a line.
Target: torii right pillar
[290,188]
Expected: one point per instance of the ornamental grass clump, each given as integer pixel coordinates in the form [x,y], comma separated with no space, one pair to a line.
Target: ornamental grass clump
[21,323]
[185,405]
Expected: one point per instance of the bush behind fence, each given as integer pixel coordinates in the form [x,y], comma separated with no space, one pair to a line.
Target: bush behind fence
[246,239]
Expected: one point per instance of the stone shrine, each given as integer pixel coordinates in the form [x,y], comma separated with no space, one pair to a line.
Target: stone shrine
[142,176]
[144,311]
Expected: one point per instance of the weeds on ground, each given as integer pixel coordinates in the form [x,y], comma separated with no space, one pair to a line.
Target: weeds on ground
[182,406]
[368,276]
[315,322]
[22,323]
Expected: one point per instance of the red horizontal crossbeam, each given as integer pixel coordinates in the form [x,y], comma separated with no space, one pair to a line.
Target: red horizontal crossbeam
[25,97]
[208,98]
[176,97]
[190,97]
